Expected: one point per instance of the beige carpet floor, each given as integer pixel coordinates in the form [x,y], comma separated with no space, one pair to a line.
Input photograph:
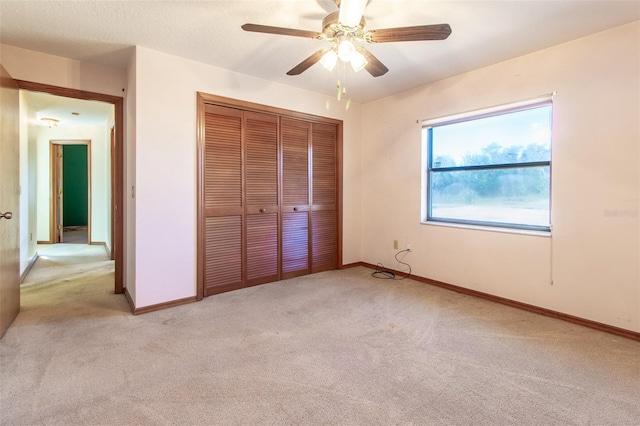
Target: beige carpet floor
[338,347]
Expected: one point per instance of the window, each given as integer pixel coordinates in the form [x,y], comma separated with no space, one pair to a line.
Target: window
[491,168]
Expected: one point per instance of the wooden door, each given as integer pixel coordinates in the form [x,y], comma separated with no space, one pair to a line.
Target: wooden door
[58,200]
[295,197]
[261,197]
[9,201]
[222,203]
[324,216]
[268,196]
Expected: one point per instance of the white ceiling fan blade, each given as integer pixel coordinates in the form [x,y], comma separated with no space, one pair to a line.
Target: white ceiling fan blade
[351,12]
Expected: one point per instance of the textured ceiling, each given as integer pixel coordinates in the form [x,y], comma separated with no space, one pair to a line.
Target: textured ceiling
[484,32]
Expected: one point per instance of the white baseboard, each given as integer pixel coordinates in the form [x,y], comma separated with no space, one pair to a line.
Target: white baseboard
[32,262]
[102,243]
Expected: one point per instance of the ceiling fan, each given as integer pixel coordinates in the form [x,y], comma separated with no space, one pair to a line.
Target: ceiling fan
[345,28]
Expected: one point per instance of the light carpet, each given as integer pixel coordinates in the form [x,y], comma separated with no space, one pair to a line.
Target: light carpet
[339,347]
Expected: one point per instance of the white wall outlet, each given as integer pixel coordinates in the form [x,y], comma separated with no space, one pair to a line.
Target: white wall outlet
[409,247]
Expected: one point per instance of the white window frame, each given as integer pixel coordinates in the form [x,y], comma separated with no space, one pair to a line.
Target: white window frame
[427,125]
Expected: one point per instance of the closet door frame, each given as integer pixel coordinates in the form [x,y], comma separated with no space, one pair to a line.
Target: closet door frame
[204,99]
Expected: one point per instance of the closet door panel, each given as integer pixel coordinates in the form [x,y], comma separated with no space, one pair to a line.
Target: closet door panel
[223,254]
[324,165]
[295,162]
[295,244]
[295,197]
[261,197]
[261,157]
[222,158]
[324,240]
[262,248]
[222,200]
[324,204]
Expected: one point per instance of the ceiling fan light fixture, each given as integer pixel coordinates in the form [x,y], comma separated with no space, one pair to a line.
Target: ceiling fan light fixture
[358,61]
[351,12]
[346,27]
[329,60]
[346,49]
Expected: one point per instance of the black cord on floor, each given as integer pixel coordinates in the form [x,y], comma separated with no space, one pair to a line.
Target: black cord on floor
[385,274]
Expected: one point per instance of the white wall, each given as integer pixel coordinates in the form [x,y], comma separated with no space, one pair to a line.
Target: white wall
[38,67]
[28,173]
[593,258]
[100,176]
[165,145]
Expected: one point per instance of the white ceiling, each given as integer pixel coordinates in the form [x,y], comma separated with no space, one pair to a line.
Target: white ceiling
[484,33]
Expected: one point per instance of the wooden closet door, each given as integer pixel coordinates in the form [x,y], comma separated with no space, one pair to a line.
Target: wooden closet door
[223,193]
[269,194]
[295,197]
[324,216]
[261,197]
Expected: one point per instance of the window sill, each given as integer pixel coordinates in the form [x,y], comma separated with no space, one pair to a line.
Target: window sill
[489,229]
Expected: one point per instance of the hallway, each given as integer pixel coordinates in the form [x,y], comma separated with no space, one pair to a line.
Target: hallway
[70,280]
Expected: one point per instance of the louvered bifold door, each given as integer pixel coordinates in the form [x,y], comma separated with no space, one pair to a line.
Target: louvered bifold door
[324,204]
[261,192]
[295,204]
[223,210]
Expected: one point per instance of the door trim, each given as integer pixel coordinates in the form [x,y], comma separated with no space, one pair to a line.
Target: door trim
[112,169]
[117,209]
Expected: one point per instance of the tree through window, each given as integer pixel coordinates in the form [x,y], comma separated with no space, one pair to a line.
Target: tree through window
[491,169]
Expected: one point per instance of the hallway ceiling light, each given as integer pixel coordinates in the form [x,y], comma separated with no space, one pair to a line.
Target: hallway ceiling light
[51,122]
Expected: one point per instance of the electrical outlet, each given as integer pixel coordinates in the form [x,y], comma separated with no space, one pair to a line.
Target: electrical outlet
[409,246]
[395,244]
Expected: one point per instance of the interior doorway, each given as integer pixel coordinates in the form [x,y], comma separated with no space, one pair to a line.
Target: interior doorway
[116,167]
[70,213]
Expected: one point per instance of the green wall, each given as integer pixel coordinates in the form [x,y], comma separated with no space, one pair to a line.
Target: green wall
[75,189]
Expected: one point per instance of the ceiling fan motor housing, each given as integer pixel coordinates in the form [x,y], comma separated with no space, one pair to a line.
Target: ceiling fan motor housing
[332,29]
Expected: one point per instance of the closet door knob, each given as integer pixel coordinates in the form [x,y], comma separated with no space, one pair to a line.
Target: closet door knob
[7,215]
[295,209]
[263,210]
